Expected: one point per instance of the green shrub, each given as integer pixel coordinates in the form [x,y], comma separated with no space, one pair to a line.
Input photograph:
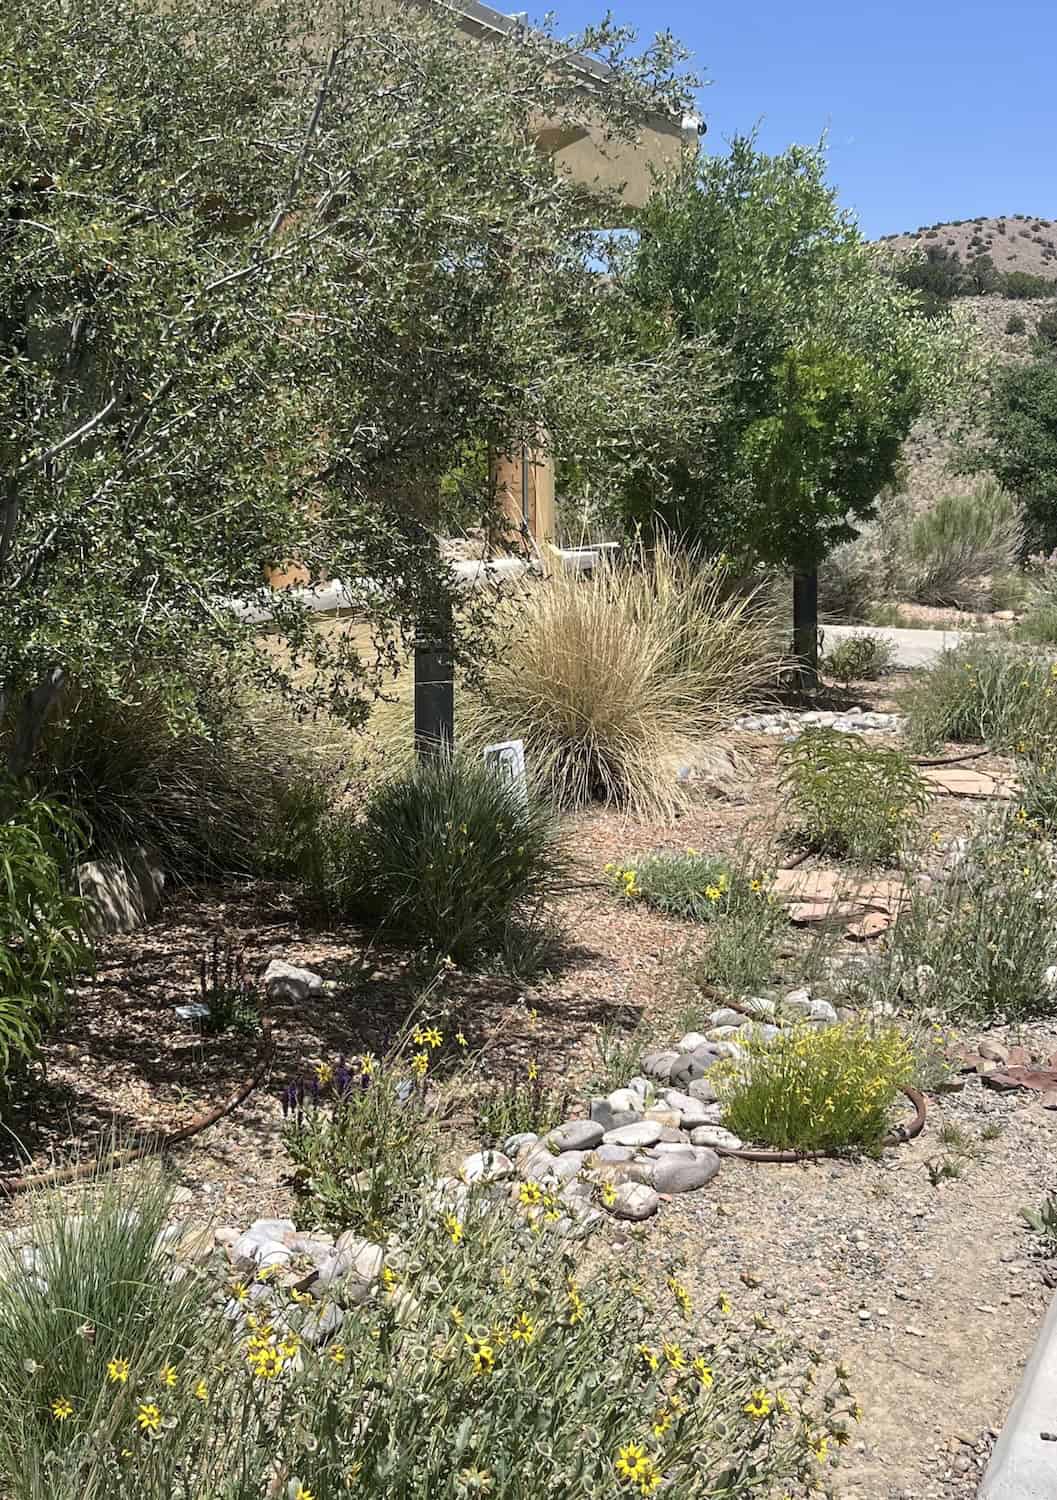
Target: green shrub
[741,953]
[1009,590]
[698,886]
[891,617]
[614,679]
[1016,324]
[362,1141]
[1039,624]
[619,1051]
[1043,1222]
[959,542]
[859,658]
[826,1089]
[976,946]
[446,852]
[190,771]
[484,1364]
[42,940]
[848,799]
[516,1106]
[982,692]
[1037,775]
[1046,333]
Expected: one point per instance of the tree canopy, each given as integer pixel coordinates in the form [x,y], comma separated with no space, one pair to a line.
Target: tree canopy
[829,359]
[264,277]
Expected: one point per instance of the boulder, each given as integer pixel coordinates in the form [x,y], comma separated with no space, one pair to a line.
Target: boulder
[283,981]
[576,1135]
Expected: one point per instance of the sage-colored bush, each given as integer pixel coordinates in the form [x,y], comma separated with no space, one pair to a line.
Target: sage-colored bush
[983,692]
[957,545]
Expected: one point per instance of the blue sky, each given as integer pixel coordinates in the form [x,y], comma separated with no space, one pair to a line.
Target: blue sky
[934,109]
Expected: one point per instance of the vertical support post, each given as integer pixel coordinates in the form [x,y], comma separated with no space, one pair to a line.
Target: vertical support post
[805,628]
[434,683]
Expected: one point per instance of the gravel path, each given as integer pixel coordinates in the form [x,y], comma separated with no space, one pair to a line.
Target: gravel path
[930,1295]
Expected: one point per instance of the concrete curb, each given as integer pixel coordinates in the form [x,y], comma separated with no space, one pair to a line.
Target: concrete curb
[1024,1464]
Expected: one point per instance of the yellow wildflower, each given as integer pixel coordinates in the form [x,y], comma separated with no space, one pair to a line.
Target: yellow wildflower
[461,1039]
[533,1072]
[674,1355]
[755,886]
[454,1228]
[336,1354]
[432,1037]
[820,1447]
[723,1304]
[702,1369]
[629,1458]
[576,1303]
[368,1062]
[201,1391]
[530,1193]
[239,1291]
[302,1494]
[648,1356]
[456,1316]
[389,1278]
[117,1370]
[523,1330]
[148,1417]
[609,1194]
[61,1409]
[324,1074]
[265,1363]
[662,1420]
[419,1064]
[481,1353]
[167,1376]
[758,1405]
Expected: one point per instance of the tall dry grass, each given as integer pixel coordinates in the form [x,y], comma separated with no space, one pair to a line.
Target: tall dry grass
[615,677]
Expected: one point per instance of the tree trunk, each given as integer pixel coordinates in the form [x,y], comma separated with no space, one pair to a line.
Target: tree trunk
[32,716]
[434,684]
[805,629]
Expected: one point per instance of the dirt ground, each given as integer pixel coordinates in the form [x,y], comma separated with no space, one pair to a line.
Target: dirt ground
[931,1295]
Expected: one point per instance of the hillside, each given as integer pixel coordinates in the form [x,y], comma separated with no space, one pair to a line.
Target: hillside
[1016,242]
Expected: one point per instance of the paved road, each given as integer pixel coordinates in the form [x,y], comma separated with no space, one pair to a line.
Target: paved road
[913,648]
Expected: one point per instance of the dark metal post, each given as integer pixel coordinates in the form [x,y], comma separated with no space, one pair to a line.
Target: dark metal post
[805,628]
[434,684]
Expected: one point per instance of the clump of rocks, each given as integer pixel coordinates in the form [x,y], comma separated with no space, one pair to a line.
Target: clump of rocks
[790,723]
[660,1133]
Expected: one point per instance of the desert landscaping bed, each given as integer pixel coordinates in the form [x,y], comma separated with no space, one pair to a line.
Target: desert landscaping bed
[927,1290]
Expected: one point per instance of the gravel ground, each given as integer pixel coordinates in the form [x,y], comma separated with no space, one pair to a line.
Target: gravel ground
[930,1294]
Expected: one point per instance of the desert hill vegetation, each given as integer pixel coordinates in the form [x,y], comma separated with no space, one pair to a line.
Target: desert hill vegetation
[1014,255]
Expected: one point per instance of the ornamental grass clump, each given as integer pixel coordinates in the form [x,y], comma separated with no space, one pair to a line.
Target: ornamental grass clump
[828,1089]
[984,692]
[482,1361]
[613,679]
[446,853]
[700,887]
[848,799]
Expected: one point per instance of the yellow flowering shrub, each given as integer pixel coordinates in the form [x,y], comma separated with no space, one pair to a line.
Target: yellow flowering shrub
[830,1088]
[493,1362]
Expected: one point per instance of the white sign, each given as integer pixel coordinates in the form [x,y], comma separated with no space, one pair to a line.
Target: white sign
[507,760]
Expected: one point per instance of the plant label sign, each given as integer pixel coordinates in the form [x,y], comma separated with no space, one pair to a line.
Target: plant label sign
[507,760]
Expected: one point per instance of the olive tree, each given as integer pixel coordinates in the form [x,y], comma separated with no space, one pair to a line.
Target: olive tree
[266,271]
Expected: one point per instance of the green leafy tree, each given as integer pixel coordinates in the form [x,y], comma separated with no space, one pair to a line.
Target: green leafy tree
[265,279]
[1020,443]
[829,360]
